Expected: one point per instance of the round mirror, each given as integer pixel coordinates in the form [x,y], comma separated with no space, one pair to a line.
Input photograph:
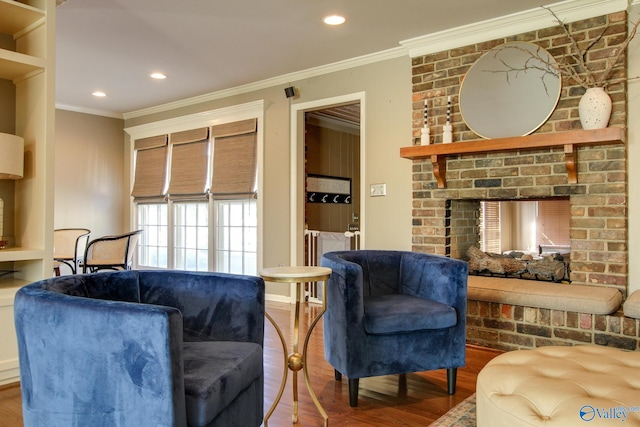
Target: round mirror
[510,90]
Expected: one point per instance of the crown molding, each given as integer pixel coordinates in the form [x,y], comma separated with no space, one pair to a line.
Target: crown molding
[509,25]
[284,79]
[75,109]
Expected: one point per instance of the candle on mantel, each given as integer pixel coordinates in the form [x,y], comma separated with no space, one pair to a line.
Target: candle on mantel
[426,114]
[425,137]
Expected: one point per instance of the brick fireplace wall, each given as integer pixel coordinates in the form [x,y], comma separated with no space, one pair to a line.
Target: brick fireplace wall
[598,202]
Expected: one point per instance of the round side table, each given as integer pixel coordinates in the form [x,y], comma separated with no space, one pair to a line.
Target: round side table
[296,361]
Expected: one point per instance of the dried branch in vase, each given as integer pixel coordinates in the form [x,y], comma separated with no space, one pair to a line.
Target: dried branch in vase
[538,60]
[575,66]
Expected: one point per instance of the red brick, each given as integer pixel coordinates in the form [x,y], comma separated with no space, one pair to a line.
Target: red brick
[506,312]
[585,321]
[573,335]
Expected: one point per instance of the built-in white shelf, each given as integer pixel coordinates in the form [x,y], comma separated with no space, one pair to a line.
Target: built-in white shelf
[16,17]
[20,254]
[14,65]
[10,285]
[29,63]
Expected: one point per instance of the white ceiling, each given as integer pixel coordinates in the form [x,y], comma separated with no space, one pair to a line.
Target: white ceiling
[206,46]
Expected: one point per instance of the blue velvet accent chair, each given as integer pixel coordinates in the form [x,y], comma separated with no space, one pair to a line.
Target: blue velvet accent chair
[142,348]
[394,312]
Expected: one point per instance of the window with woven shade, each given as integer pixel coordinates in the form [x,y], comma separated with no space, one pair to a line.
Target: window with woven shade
[234,160]
[150,175]
[206,215]
[189,164]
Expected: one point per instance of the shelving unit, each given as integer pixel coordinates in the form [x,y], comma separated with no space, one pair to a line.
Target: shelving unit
[17,17]
[30,67]
[569,141]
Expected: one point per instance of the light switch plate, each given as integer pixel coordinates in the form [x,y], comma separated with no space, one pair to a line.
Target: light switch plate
[378,190]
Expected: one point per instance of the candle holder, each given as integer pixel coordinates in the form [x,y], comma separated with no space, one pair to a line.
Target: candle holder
[447,133]
[425,136]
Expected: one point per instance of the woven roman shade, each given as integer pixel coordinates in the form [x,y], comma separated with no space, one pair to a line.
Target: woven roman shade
[150,173]
[235,128]
[189,164]
[234,160]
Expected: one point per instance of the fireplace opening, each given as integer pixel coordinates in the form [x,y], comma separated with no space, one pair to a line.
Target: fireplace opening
[528,239]
[533,227]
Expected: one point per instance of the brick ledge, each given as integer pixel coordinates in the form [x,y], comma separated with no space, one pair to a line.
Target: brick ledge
[554,296]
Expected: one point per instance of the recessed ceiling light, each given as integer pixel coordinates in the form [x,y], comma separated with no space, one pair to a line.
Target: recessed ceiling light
[334,20]
[158,76]
[99,94]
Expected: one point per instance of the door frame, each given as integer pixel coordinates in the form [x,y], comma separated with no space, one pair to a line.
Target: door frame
[296,245]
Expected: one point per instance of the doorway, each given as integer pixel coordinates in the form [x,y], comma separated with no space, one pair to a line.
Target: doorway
[332,169]
[332,172]
[327,151]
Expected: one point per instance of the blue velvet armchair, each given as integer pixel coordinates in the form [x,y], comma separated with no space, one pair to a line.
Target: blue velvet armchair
[142,348]
[394,312]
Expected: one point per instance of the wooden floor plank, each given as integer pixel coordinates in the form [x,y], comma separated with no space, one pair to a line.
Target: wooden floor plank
[383,400]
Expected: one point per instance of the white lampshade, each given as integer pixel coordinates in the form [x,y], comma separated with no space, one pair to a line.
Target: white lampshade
[11,156]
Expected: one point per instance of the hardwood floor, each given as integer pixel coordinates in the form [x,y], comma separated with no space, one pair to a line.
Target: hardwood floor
[10,407]
[383,401]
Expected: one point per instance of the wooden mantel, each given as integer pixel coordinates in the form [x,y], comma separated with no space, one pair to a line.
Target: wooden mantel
[570,141]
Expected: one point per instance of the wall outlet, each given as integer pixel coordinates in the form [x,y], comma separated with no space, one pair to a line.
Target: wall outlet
[378,190]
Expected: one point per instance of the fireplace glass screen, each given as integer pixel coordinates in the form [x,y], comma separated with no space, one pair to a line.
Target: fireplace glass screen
[526,226]
[523,239]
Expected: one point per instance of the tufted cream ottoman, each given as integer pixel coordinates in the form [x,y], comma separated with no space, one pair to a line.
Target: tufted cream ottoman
[560,386]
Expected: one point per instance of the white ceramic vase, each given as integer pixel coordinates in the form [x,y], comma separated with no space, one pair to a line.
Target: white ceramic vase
[595,108]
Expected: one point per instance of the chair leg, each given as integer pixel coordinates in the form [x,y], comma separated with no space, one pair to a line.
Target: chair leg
[337,375]
[452,374]
[353,392]
[402,385]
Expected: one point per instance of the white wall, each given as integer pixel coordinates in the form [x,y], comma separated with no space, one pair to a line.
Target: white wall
[89,177]
[633,153]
